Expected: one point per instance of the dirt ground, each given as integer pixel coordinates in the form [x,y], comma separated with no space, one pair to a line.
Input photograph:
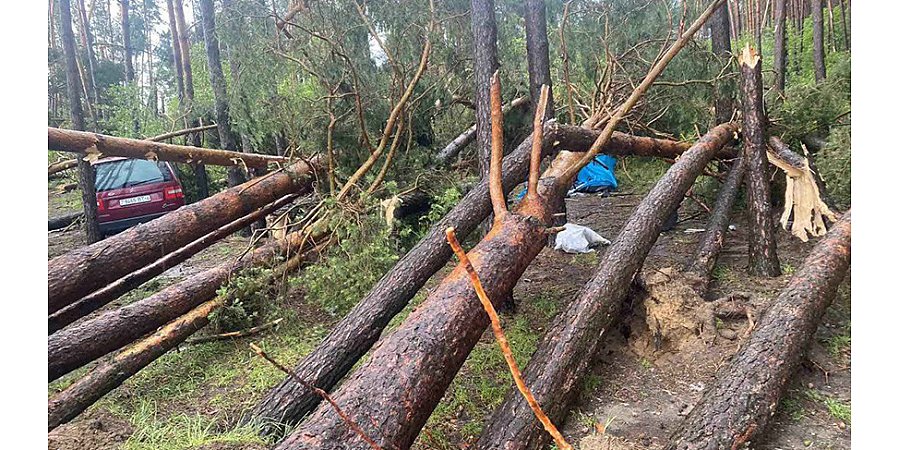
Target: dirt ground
[634,398]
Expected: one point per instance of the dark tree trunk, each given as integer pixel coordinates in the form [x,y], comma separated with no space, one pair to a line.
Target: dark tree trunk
[484,31]
[79,344]
[184,41]
[466,137]
[126,41]
[55,223]
[538,50]
[564,356]
[846,25]
[73,87]
[780,49]
[762,248]
[98,299]
[176,53]
[714,238]
[84,270]
[91,58]
[818,40]
[351,338]
[220,95]
[737,408]
[721,46]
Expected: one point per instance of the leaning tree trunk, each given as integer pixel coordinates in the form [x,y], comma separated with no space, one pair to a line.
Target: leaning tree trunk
[201,178]
[466,137]
[484,31]
[220,95]
[720,36]
[780,49]
[818,40]
[58,167]
[79,344]
[98,299]
[353,336]
[762,248]
[564,356]
[737,408]
[73,87]
[84,270]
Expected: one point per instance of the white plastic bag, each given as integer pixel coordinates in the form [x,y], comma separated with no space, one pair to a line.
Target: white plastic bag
[578,239]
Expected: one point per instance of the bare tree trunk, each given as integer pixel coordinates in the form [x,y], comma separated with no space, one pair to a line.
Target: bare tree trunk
[721,46]
[126,41]
[200,176]
[818,40]
[484,30]
[88,38]
[762,248]
[846,25]
[738,407]
[831,38]
[780,45]
[538,50]
[220,95]
[73,86]
[176,55]
[466,137]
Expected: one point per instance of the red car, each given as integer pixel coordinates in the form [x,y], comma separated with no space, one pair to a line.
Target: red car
[134,191]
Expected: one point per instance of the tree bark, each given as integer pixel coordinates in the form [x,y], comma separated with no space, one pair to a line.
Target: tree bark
[353,336]
[780,49]
[73,87]
[845,24]
[58,167]
[79,344]
[126,40]
[58,222]
[91,58]
[84,270]
[818,40]
[466,137]
[538,53]
[217,81]
[762,248]
[484,32]
[90,143]
[564,356]
[721,47]
[98,299]
[737,408]
[710,245]
[176,53]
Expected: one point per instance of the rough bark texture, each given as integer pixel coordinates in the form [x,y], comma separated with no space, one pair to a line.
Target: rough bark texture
[714,238]
[220,94]
[88,42]
[818,40]
[79,344]
[563,357]
[762,249]
[83,142]
[184,42]
[58,167]
[351,338]
[73,89]
[96,300]
[84,270]
[176,52]
[538,50]
[126,40]
[794,159]
[466,137]
[55,223]
[746,393]
[780,49]
[720,35]
[484,31]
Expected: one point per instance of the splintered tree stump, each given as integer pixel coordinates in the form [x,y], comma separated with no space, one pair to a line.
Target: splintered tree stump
[803,192]
[761,249]
[354,335]
[746,393]
[563,357]
[83,342]
[84,270]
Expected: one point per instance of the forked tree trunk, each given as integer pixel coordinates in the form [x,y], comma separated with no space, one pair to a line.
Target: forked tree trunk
[720,35]
[818,40]
[738,407]
[762,248]
[353,336]
[780,49]
[73,88]
[84,270]
[556,369]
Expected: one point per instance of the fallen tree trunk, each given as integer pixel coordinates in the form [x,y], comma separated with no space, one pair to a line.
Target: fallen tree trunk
[467,137]
[110,374]
[97,145]
[84,270]
[55,223]
[57,167]
[354,335]
[564,356]
[96,300]
[737,408]
[81,343]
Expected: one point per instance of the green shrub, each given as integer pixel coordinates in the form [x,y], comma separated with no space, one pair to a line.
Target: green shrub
[249,295]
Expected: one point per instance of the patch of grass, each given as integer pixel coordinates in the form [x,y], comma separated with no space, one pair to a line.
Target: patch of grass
[787,269]
[646,364]
[586,259]
[183,431]
[793,408]
[592,382]
[639,173]
[838,409]
[838,344]
[723,274]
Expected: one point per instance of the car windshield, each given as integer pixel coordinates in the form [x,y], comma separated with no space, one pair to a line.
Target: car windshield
[130,172]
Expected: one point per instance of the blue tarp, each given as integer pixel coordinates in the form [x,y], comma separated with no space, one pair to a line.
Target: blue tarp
[598,175]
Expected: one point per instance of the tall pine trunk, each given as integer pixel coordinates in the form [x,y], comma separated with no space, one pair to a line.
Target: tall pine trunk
[484,30]
[73,87]
[818,40]
[720,35]
[200,177]
[126,41]
[780,45]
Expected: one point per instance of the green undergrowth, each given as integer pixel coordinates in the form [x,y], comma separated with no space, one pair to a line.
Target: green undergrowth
[184,431]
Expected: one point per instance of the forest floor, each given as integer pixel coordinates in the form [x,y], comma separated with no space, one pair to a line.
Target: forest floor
[636,395]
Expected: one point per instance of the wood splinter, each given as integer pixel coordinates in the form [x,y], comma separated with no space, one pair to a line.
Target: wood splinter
[498,329]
